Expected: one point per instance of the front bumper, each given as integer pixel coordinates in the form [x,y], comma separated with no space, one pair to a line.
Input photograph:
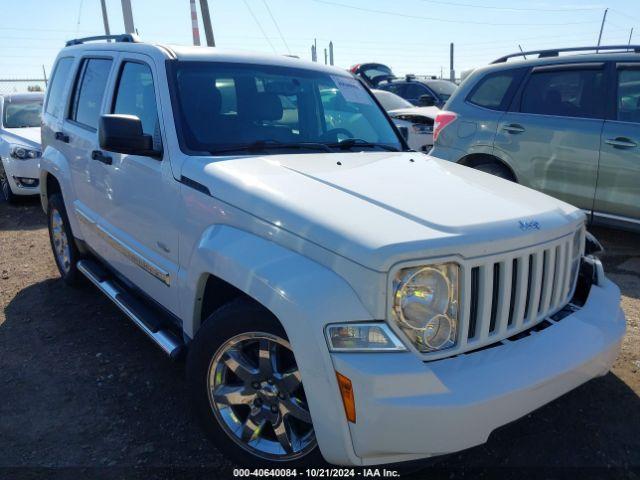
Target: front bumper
[408,409]
[18,169]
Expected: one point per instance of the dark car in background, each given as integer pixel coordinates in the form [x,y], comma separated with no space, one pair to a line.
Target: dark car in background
[420,91]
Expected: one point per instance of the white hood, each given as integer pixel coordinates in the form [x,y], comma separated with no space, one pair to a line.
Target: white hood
[28,136]
[380,208]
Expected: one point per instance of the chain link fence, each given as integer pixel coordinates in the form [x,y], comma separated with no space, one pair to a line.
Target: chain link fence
[21,85]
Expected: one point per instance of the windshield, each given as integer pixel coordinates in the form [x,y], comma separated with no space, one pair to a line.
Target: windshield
[391,101]
[443,88]
[226,106]
[22,113]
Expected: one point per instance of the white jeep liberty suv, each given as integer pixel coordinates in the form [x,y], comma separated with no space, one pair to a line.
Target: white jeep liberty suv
[338,297]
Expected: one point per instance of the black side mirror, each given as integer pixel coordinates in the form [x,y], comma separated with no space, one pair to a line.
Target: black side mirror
[426,100]
[123,134]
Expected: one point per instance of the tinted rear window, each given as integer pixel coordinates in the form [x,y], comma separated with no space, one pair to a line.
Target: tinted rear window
[55,101]
[567,93]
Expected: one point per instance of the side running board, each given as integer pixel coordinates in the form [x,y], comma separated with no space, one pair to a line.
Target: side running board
[143,316]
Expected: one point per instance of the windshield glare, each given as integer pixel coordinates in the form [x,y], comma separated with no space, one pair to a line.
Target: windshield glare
[227,105]
[22,113]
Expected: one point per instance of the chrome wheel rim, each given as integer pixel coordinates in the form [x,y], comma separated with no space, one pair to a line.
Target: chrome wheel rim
[60,242]
[256,394]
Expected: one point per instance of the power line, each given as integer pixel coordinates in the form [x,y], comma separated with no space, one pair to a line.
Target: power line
[446,20]
[259,26]
[511,9]
[277,26]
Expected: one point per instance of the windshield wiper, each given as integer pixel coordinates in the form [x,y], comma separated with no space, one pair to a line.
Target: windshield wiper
[263,145]
[349,143]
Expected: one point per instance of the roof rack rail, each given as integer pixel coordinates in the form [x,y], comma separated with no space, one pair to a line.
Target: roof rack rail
[124,37]
[554,52]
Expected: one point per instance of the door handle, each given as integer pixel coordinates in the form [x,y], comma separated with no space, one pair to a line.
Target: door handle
[621,142]
[101,157]
[63,137]
[513,128]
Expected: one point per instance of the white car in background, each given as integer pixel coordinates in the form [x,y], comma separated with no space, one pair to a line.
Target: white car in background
[417,120]
[20,144]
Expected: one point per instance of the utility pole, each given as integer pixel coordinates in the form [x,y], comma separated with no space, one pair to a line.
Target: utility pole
[452,72]
[330,53]
[206,21]
[127,15]
[630,35]
[194,23]
[105,18]
[44,73]
[314,51]
[604,17]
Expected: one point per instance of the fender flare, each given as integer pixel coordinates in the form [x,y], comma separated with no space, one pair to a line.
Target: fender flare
[54,163]
[303,295]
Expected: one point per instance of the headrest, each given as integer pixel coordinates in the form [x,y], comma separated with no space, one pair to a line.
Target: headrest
[200,90]
[267,106]
[553,96]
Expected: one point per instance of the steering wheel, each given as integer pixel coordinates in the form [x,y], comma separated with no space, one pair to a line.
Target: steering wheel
[334,134]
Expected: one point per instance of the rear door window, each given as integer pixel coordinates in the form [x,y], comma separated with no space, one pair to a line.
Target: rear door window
[397,88]
[628,98]
[414,91]
[491,91]
[89,91]
[55,101]
[566,93]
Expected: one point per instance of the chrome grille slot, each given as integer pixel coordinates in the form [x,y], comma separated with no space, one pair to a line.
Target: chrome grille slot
[510,293]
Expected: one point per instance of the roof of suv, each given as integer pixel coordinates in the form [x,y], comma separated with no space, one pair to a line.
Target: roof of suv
[193,53]
[501,63]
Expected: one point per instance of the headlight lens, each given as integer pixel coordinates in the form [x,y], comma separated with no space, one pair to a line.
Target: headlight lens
[425,305]
[361,337]
[23,153]
[577,251]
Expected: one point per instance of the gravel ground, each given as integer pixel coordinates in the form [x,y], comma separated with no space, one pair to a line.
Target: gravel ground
[83,393]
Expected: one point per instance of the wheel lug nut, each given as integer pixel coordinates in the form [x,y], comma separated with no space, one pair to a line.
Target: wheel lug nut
[270,381]
[281,396]
[274,409]
[255,385]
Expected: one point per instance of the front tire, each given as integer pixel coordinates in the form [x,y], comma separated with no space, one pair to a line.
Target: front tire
[7,193]
[247,392]
[63,245]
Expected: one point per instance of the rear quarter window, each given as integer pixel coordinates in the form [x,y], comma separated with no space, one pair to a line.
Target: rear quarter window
[56,98]
[494,90]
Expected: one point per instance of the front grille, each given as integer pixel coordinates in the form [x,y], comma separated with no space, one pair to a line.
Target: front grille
[503,295]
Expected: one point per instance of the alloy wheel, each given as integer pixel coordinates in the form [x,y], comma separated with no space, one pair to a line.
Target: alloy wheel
[255,391]
[60,241]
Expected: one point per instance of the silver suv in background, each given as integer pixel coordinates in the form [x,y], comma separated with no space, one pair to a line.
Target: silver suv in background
[566,125]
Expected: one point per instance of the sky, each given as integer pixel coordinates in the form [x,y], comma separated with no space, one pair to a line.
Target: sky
[411,36]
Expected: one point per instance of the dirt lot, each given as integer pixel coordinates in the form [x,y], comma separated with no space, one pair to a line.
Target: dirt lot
[81,389]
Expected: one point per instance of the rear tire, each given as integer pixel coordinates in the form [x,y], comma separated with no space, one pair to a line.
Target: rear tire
[496,169]
[63,245]
[246,390]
